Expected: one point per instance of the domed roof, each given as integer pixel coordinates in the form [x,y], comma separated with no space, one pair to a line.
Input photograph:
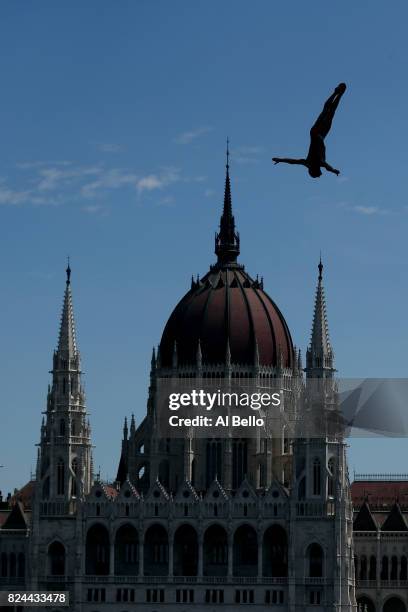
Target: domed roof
[227,314]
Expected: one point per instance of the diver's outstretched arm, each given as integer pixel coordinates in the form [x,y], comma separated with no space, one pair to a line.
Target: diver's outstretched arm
[289,160]
[330,168]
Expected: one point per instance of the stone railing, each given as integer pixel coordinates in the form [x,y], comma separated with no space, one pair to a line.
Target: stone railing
[237,580]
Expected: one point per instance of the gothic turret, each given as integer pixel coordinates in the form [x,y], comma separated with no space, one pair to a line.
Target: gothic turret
[319,355]
[65,446]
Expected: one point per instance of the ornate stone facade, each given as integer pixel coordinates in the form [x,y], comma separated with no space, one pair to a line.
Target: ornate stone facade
[193,523]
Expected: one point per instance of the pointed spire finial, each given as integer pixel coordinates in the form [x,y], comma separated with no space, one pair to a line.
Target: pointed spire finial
[67,336]
[227,164]
[227,239]
[320,353]
[320,267]
[68,271]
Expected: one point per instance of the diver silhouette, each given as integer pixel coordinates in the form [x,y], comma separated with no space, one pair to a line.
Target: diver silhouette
[316,157]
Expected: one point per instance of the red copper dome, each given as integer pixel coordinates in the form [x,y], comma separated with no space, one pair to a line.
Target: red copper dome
[227,308]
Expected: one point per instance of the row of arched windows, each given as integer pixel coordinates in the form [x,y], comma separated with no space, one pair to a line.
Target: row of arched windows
[12,565]
[391,568]
[156,543]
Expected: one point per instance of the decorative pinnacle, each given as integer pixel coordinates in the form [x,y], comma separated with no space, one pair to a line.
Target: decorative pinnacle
[320,267]
[227,164]
[227,239]
[68,271]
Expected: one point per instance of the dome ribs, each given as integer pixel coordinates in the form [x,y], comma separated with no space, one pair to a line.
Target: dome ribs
[250,318]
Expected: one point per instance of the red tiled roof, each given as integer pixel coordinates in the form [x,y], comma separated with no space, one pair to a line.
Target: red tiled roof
[380,494]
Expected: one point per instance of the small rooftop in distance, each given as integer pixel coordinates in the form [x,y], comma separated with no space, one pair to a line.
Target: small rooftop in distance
[380,491]
[382,477]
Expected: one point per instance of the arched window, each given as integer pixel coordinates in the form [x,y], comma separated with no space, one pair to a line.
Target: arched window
[364,604]
[156,551]
[185,551]
[21,565]
[239,461]
[394,568]
[403,571]
[213,460]
[317,477]
[245,551]
[215,551]
[384,568]
[74,466]
[56,559]
[126,551]
[62,427]
[97,551]
[3,563]
[315,561]
[13,565]
[363,568]
[60,477]
[394,604]
[372,575]
[143,477]
[73,428]
[261,477]
[275,552]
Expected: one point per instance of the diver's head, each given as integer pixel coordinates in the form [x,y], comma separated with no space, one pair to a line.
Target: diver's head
[315,171]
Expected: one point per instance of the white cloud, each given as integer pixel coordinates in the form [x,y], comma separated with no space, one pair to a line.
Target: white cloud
[370,210]
[114,178]
[246,154]
[40,164]
[186,138]
[52,178]
[152,182]
[13,197]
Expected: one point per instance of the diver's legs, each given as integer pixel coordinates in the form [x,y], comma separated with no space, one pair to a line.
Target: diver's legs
[323,123]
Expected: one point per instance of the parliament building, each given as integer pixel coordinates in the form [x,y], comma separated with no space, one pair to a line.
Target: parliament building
[194,524]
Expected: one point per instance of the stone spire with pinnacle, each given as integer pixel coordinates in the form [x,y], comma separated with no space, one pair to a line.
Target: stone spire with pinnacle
[65,445]
[67,346]
[319,355]
[227,239]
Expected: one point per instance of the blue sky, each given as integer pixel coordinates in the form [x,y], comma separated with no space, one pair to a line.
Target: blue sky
[113,120]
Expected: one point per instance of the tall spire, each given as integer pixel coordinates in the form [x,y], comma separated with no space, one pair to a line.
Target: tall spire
[227,240]
[320,353]
[67,338]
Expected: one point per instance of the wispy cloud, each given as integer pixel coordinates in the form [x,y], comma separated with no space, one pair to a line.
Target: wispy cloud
[370,210]
[29,165]
[158,181]
[13,197]
[117,178]
[88,186]
[186,138]
[52,178]
[246,154]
